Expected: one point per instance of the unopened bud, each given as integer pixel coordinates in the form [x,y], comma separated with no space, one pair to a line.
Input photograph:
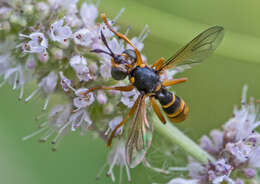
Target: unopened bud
[44,57]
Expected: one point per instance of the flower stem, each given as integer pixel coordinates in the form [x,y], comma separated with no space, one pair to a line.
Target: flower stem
[177,137]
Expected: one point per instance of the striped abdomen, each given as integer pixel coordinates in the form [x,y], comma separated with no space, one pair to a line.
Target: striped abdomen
[174,107]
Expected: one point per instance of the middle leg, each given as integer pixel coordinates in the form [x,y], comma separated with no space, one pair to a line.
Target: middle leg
[118,88]
[167,83]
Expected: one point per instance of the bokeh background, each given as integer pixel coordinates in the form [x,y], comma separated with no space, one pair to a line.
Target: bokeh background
[211,91]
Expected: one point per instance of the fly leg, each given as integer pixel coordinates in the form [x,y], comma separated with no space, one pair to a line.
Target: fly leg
[167,83]
[121,36]
[118,88]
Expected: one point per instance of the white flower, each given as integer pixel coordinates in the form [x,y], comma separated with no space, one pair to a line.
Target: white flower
[105,68]
[43,8]
[47,85]
[57,123]
[60,32]
[113,123]
[43,57]
[101,97]
[73,20]
[65,83]
[37,44]
[117,157]
[5,12]
[138,41]
[83,101]
[30,63]
[88,13]
[80,119]
[243,122]
[223,179]
[116,46]
[254,158]
[16,77]
[69,5]
[83,37]
[129,98]
[79,64]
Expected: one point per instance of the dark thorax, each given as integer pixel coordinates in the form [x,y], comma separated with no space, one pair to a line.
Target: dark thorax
[145,79]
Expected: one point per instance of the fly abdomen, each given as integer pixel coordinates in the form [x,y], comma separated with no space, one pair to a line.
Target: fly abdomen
[176,110]
[174,107]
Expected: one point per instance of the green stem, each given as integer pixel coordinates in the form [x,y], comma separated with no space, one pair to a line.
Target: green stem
[177,137]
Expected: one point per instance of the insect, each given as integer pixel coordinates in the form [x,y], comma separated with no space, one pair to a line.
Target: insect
[146,79]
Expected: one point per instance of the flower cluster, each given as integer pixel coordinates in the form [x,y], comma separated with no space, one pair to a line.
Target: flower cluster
[236,150]
[49,42]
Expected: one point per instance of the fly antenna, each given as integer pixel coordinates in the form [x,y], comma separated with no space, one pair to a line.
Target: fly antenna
[106,44]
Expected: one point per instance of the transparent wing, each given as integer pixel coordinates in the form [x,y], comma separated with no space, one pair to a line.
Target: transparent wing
[140,137]
[197,50]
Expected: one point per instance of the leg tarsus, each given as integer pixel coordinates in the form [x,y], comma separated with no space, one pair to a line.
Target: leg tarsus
[167,83]
[109,142]
[157,64]
[139,58]
[157,110]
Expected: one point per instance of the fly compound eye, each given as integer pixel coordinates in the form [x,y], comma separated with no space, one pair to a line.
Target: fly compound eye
[118,73]
[119,59]
[130,55]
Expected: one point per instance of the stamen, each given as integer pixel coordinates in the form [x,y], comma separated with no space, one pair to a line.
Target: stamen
[244,92]
[33,93]
[107,131]
[159,170]
[46,103]
[21,93]
[47,135]
[15,80]
[62,128]
[101,171]
[97,3]
[144,33]
[127,172]
[43,124]
[23,35]
[178,169]
[37,118]
[110,171]
[120,174]
[118,15]
[57,140]
[2,83]
[127,31]
[34,134]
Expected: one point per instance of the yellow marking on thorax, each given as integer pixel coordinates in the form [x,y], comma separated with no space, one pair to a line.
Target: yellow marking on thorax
[132,80]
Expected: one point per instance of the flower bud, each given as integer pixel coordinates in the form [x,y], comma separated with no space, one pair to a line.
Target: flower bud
[15,19]
[58,53]
[44,57]
[28,9]
[43,8]
[101,97]
[5,12]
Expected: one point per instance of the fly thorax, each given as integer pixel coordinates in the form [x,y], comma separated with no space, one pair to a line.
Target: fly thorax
[145,79]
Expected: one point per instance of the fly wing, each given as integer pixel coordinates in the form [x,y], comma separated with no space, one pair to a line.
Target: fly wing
[140,137]
[196,50]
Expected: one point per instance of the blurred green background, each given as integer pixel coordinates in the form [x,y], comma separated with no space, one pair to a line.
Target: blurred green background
[211,91]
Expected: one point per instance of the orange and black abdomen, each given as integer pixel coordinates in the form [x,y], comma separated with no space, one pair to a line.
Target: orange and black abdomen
[174,107]
[176,110]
